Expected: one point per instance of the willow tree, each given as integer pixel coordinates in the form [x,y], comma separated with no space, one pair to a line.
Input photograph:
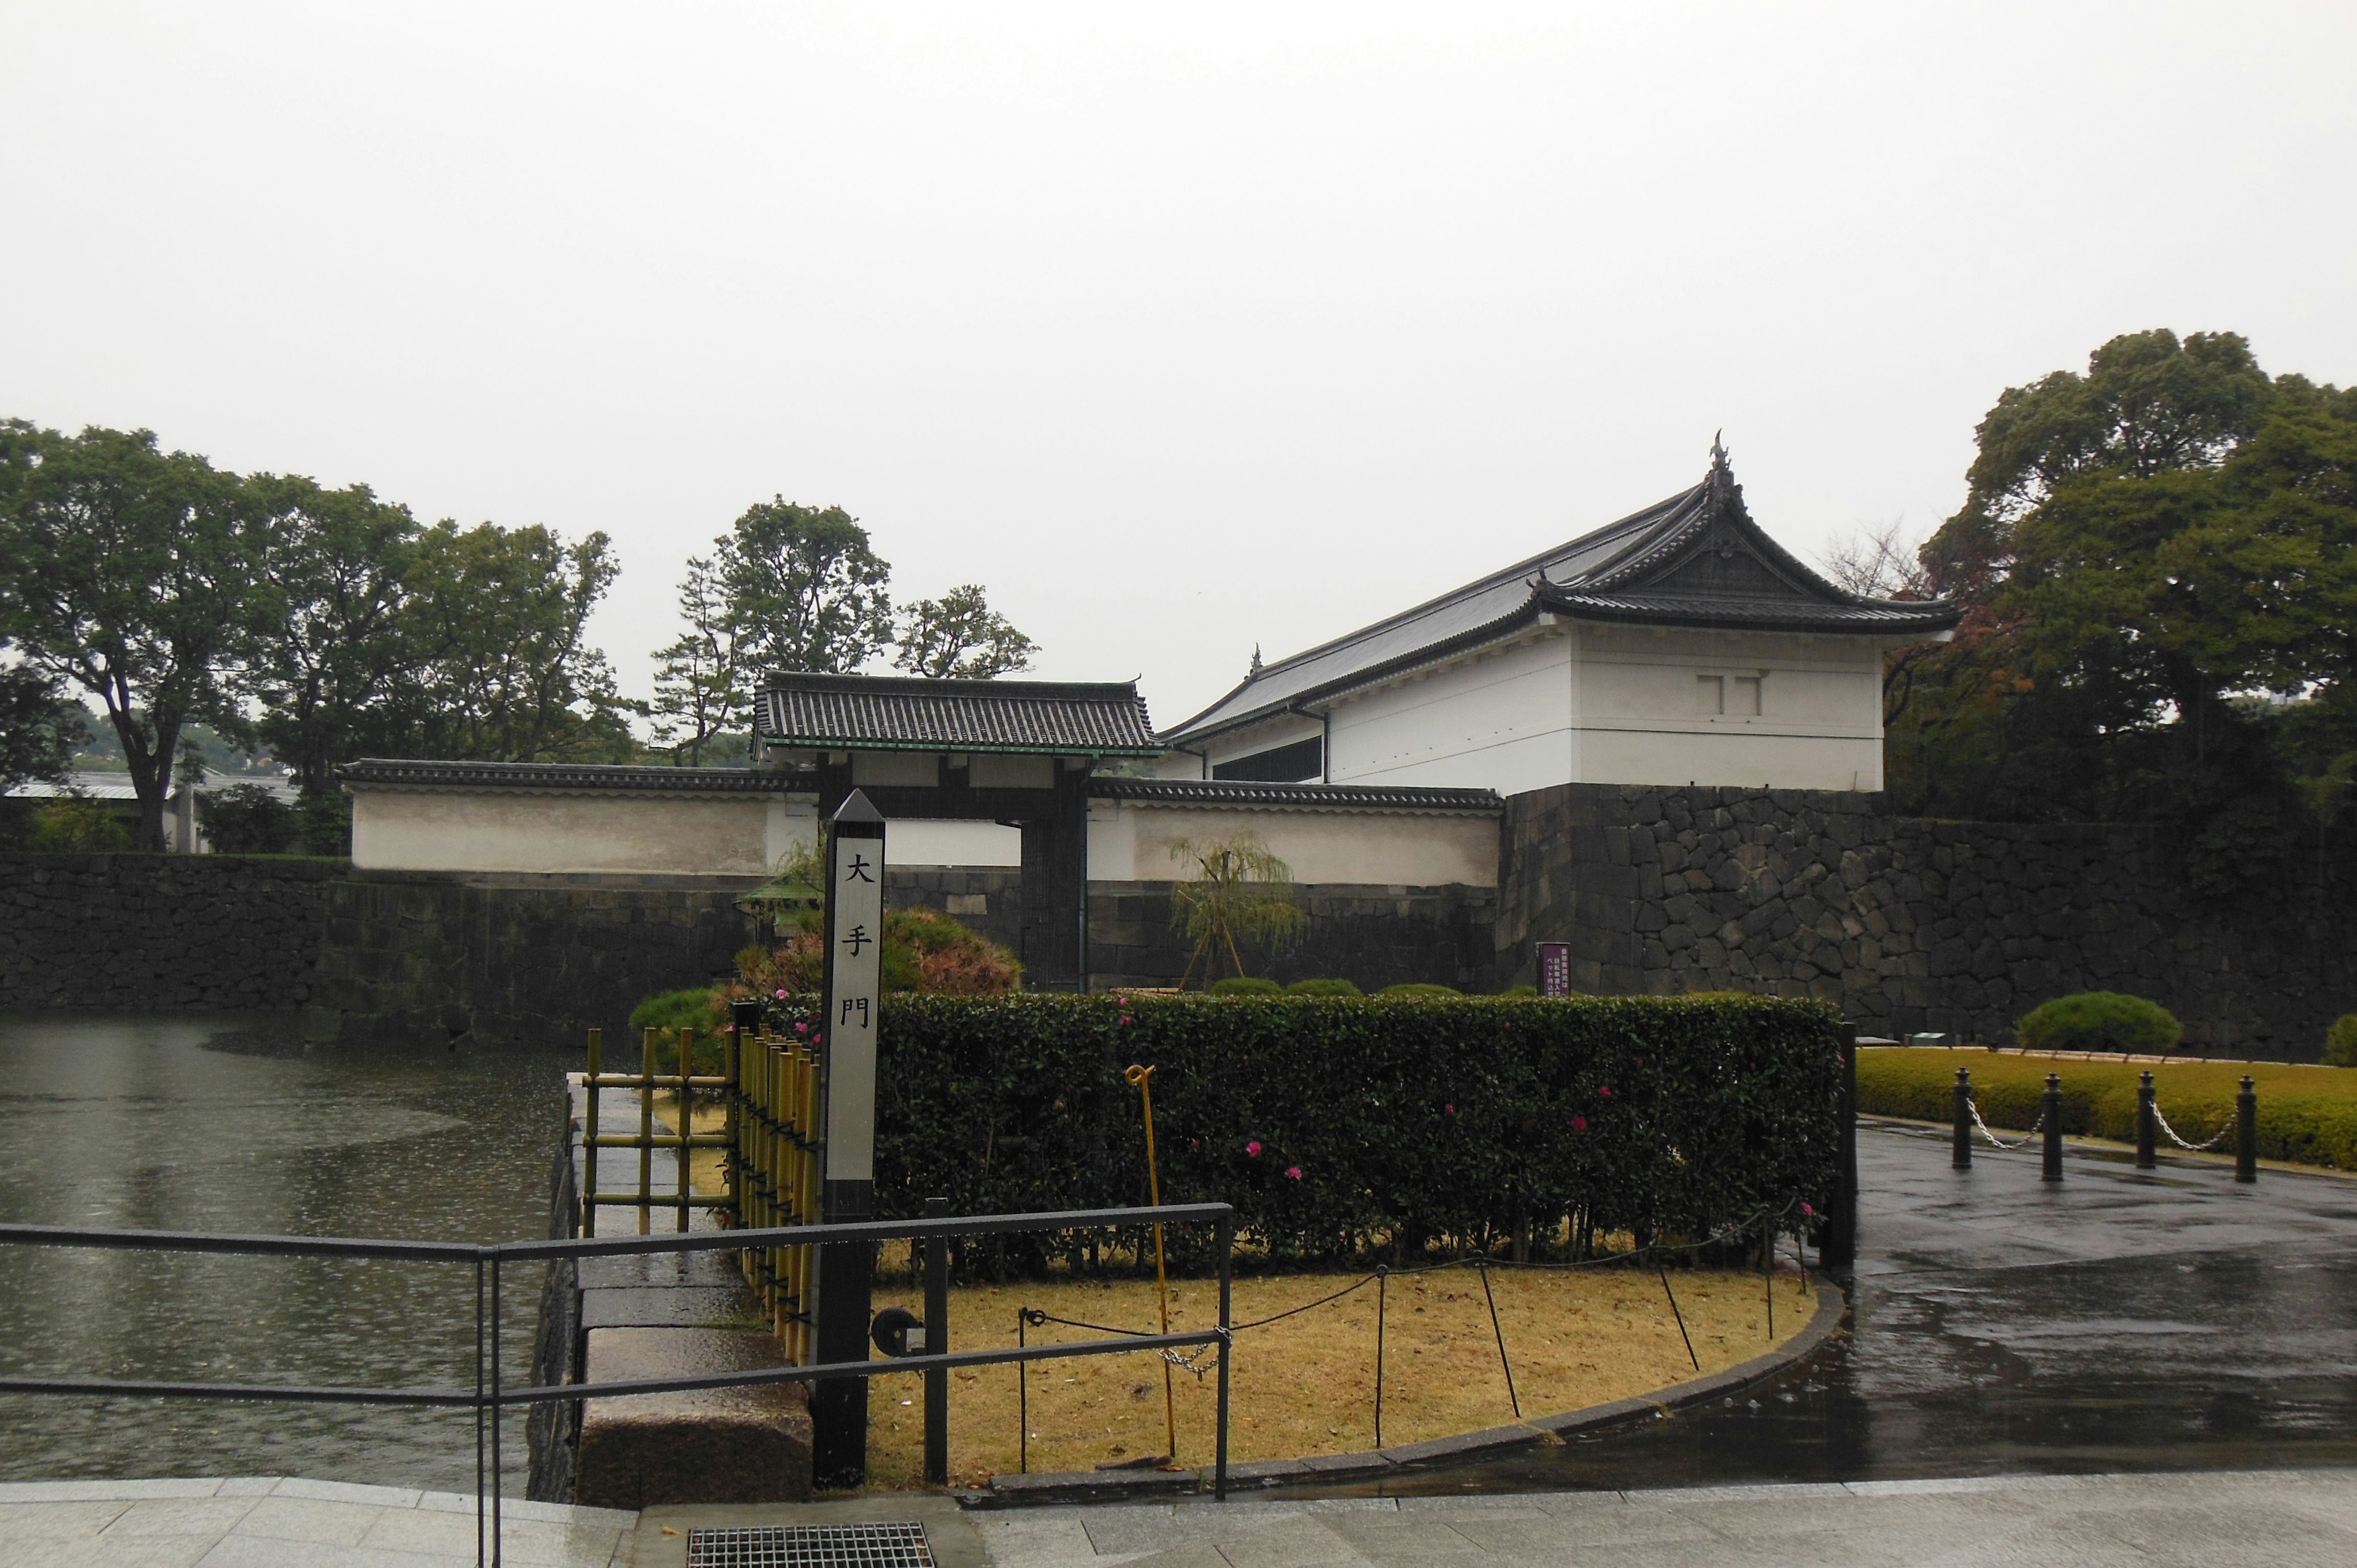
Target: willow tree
[1238,889]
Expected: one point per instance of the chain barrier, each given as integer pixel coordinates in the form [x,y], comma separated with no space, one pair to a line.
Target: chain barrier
[2210,1143]
[2000,1142]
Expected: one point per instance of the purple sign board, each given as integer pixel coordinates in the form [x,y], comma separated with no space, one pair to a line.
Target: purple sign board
[1554,969]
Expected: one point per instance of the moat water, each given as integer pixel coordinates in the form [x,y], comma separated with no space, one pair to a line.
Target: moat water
[229,1124]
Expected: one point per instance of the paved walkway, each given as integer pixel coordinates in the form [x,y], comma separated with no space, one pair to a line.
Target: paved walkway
[274,1522]
[2303,1518]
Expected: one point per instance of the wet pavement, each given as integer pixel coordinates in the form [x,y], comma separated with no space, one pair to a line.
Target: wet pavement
[2118,1321]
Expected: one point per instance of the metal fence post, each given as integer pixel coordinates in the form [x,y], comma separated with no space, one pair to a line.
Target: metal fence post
[2246,1132]
[937,1343]
[1227,1243]
[2145,1130]
[2053,1171]
[1960,1153]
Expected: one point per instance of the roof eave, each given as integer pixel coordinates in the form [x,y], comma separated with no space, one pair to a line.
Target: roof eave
[1431,653]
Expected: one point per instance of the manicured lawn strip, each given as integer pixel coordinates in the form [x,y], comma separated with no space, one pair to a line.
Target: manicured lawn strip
[2308,1115]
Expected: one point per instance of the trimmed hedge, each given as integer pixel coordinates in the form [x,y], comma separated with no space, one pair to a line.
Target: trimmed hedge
[2101,1021]
[2308,1115]
[1338,1125]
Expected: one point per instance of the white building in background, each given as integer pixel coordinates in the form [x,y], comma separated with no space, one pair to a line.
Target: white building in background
[1680,645]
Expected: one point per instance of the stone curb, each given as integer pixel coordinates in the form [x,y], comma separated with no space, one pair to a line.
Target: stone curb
[1087,1486]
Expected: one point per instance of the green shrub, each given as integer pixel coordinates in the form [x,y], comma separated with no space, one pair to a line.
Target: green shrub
[70,822]
[247,819]
[1519,990]
[1419,988]
[1404,1120]
[925,949]
[692,1008]
[1323,988]
[2340,1042]
[1245,985]
[2100,1021]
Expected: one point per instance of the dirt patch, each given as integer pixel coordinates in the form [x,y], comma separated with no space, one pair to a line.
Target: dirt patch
[1306,1385]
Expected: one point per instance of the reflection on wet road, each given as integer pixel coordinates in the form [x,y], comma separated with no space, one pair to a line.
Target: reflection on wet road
[214,1125]
[2118,1321]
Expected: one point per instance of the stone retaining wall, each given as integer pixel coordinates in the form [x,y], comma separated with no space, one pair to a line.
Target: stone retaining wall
[131,931]
[1909,925]
[1369,934]
[411,958]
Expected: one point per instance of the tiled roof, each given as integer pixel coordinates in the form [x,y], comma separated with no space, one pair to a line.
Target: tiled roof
[1696,559]
[906,713]
[406,773]
[1292,797]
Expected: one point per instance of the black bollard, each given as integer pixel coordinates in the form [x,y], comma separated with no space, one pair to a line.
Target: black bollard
[2146,1127]
[2053,1171]
[2246,1132]
[1962,1156]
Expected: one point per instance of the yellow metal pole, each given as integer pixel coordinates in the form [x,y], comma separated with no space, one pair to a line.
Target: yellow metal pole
[646,1131]
[686,1118]
[589,1135]
[1143,1077]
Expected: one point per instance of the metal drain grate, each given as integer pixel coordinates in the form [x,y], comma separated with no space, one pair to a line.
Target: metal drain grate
[810,1546]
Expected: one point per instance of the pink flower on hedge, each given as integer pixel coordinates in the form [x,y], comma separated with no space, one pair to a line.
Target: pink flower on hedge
[1121,1001]
[1451,1109]
[801,1028]
[1807,1210]
[1253,1148]
[1125,1017]
[782,994]
[1294,1172]
[1606,1091]
[1579,1124]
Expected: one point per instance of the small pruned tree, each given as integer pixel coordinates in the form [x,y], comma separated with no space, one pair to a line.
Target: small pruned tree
[1237,888]
[959,636]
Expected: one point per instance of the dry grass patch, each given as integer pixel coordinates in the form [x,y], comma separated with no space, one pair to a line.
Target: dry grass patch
[1306,1385]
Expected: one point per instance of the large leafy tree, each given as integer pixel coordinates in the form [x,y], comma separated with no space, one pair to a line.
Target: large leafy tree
[125,571]
[325,660]
[805,588]
[496,660]
[959,634]
[2158,561]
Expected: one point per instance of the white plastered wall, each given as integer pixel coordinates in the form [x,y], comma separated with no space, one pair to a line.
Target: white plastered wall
[1131,843]
[1646,716]
[1504,720]
[510,830]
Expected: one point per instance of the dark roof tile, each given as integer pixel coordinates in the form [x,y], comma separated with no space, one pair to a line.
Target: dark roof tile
[1100,718]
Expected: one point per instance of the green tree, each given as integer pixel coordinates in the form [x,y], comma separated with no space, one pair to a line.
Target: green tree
[2158,561]
[495,658]
[959,635]
[325,661]
[40,728]
[1237,890]
[701,702]
[806,590]
[124,570]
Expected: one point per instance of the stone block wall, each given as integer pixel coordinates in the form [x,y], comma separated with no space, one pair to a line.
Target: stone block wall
[134,931]
[1369,934]
[1909,925]
[412,958]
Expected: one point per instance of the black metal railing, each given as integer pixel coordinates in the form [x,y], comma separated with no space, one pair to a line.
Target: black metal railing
[491,1395]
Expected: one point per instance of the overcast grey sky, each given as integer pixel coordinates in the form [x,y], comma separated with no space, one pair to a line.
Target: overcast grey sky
[1181,329]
